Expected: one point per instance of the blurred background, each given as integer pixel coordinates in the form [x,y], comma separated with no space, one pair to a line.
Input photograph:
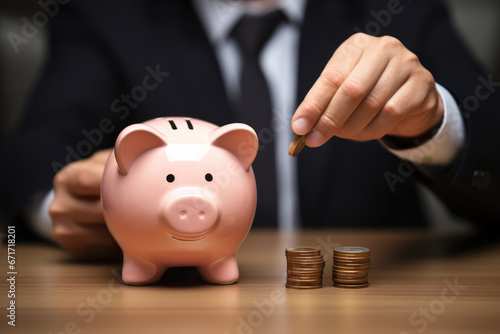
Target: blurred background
[478,21]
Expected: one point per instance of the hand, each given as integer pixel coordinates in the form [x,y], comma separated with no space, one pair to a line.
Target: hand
[371,87]
[76,210]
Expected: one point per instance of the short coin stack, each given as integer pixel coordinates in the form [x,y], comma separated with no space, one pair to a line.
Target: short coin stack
[304,268]
[350,267]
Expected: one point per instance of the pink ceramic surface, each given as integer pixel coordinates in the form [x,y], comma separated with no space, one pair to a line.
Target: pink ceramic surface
[180,192]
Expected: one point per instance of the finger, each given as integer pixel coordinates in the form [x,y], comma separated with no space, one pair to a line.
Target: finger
[86,241]
[102,155]
[426,115]
[348,97]
[82,210]
[401,105]
[391,80]
[68,231]
[82,178]
[319,96]
[425,110]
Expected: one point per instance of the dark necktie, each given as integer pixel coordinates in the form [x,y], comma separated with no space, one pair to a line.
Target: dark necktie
[254,108]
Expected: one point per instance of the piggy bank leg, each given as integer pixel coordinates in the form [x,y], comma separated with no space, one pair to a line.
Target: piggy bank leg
[138,271]
[223,271]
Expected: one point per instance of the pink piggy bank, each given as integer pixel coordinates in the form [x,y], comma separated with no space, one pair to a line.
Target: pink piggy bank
[180,192]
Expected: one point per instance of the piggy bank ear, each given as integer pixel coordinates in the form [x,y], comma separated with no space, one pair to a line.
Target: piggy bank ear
[132,142]
[239,139]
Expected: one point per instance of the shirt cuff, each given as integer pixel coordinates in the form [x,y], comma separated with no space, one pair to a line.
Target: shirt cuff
[38,216]
[442,149]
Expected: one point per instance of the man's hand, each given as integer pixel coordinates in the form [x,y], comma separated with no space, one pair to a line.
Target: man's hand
[76,209]
[371,87]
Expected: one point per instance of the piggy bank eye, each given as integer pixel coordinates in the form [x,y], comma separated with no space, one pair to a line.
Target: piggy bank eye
[170,178]
[209,177]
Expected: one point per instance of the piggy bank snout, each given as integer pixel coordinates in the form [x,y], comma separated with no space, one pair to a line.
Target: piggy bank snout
[191,214]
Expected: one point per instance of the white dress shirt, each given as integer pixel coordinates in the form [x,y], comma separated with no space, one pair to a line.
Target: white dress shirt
[279,63]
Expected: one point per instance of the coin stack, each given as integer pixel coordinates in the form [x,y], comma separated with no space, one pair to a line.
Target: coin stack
[350,267]
[304,268]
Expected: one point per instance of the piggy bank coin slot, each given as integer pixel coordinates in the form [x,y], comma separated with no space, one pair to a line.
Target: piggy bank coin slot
[172,124]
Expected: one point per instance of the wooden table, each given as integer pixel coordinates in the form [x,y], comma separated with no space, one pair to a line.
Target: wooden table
[419,282]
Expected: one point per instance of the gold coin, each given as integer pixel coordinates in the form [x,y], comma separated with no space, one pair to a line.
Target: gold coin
[350,272]
[306,258]
[297,277]
[351,275]
[309,263]
[348,263]
[340,268]
[351,280]
[291,252]
[360,275]
[305,283]
[351,286]
[302,250]
[336,278]
[293,286]
[297,145]
[306,263]
[305,273]
[351,262]
[305,277]
[348,267]
[352,257]
[304,270]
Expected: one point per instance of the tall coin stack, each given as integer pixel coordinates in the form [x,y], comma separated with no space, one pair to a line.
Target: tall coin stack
[304,268]
[350,267]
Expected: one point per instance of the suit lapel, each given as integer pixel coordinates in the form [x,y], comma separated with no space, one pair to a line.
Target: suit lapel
[196,71]
[325,27]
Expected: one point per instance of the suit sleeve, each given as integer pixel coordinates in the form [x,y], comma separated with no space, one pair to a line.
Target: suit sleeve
[471,188]
[67,114]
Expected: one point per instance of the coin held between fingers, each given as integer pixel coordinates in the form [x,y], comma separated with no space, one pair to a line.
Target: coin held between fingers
[297,144]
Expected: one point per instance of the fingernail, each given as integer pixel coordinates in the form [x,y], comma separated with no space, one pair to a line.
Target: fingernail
[314,139]
[300,126]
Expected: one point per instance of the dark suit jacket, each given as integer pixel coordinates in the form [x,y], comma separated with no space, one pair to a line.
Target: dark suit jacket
[100,50]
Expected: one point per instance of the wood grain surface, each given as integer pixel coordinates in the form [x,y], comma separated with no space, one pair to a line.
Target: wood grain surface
[420,282]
